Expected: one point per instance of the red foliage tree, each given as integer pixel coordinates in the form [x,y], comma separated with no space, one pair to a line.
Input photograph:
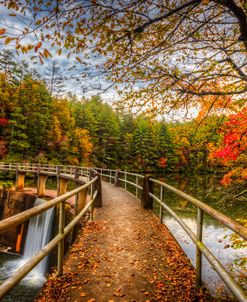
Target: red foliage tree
[234,145]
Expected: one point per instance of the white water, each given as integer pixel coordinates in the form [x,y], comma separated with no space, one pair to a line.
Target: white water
[38,235]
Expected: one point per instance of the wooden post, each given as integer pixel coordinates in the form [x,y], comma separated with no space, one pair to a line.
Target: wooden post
[117,181]
[98,200]
[41,184]
[198,252]
[136,187]
[161,208]
[76,173]
[146,200]
[20,180]
[76,185]
[91,174]
[81,200]
[62,185]
[58,182]
[91,208]
[97,186]
[61,243]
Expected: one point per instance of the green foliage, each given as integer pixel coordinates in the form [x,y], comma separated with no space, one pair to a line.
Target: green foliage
[238,242]
[6,185]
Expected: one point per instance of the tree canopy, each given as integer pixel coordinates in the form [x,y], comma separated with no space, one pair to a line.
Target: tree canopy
[166,54]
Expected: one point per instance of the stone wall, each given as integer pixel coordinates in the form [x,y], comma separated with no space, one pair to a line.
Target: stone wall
[12,203]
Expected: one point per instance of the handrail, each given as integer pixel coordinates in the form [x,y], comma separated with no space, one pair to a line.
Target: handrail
[11,282]
[201,207]
[58,240]
[130,173]
[230,223]
[235,288]
[26,215]
[225,276]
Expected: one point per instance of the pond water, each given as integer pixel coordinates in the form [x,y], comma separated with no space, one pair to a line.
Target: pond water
[215,235]
[28,288]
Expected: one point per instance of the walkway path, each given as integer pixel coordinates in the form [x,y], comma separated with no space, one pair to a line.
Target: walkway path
[124,255]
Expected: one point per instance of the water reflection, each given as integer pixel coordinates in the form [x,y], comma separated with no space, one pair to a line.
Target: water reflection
[215,236]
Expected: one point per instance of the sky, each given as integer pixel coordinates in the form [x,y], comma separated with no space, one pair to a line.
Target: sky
[82,80]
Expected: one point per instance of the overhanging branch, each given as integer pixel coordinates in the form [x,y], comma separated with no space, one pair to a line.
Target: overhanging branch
[213,93]
[141,28]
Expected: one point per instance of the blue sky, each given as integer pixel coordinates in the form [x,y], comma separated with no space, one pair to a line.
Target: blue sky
[82,79]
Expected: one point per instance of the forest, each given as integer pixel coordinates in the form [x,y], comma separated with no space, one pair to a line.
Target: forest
[185,55]
[40,125]
[96,83]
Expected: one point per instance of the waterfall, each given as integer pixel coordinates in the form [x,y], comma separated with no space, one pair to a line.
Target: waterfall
[38,235]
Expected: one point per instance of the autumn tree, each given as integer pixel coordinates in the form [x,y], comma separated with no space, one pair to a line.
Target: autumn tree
[166,150]
[171,53]
[145,144]
[81,147]
[233,146]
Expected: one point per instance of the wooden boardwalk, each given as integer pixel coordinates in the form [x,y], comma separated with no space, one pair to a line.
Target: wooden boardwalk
[124,255]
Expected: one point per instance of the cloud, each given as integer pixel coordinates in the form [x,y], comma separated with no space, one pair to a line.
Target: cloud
[82,79]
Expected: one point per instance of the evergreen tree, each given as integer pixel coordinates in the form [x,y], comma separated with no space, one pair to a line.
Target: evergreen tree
[30,119]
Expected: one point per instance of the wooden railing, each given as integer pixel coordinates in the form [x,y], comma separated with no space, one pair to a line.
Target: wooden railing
[144,188]
[149,186]
[63,230]
[80,172]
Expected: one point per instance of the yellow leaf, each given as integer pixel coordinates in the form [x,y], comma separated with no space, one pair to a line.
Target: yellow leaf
[37,46]
[47,53]
[2,31]
[38,22]
[59,52]
[8,40]
[78,59]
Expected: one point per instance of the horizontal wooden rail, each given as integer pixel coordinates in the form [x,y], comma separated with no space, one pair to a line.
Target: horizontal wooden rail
[130,183]
[225,276]
[147,190]
[227,221]
[235,288]
[26,215]
[133,174]
[20,218]
[11,282]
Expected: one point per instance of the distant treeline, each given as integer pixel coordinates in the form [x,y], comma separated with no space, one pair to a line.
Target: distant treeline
[37,126]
